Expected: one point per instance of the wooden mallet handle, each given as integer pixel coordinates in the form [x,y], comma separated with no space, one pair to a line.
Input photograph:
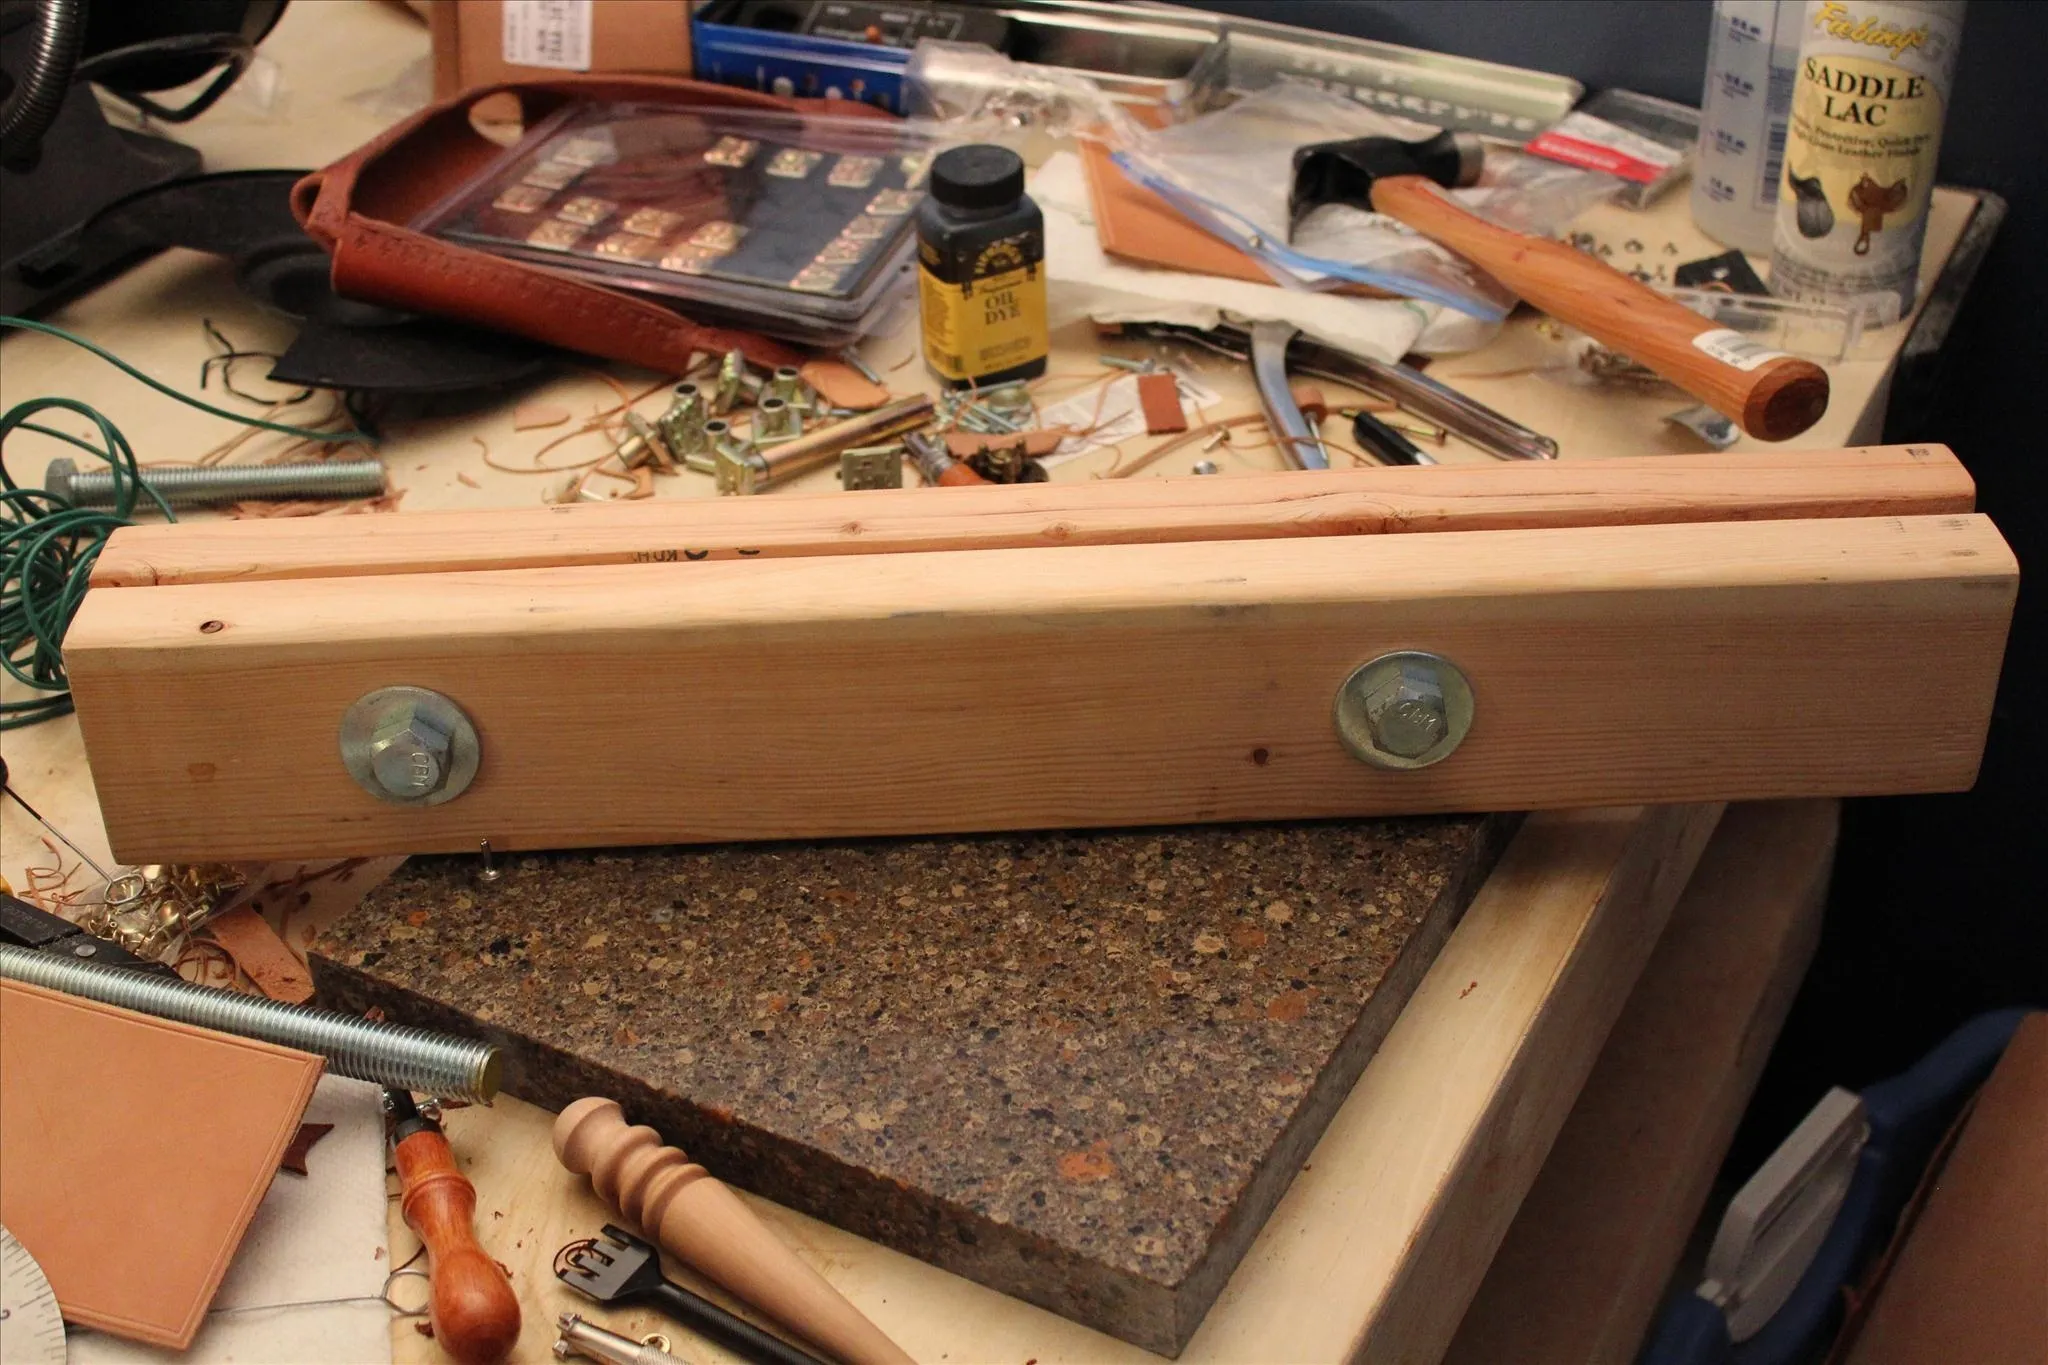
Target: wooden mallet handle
[1774,397]
[472,1308]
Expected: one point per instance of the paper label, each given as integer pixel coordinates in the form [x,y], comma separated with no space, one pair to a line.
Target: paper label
[1583,140]
[549,33]
[984,324]
[1733,348]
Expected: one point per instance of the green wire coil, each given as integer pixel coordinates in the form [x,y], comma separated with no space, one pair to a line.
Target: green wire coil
[48,545]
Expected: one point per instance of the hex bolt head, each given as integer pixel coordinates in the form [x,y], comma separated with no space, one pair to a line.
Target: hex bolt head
[410,746]
[409,753]
[1404,710]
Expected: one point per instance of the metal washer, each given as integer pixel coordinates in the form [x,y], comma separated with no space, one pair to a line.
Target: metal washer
[359,728]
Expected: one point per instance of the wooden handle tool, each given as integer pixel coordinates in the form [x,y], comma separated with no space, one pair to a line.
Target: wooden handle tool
[701,1222]
[1774,396]
[473,1311]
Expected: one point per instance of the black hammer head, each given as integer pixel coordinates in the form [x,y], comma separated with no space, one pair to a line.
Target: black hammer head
[1343,172]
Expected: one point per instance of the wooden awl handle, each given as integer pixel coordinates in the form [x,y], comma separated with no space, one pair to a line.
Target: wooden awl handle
[1774,396]
[472,1309]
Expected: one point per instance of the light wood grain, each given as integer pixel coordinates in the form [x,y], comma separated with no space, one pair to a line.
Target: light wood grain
[1472,1079]
[1019,689]
[1583,1269]
[1773,399]
[1661,489]
[695,1217]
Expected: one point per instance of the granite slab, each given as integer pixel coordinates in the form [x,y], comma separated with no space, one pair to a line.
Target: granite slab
[1079,1068]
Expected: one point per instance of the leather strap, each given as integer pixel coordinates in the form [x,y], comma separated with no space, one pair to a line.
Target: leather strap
[358,207]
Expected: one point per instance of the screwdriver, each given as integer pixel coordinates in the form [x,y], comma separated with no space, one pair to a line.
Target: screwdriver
[472,1309]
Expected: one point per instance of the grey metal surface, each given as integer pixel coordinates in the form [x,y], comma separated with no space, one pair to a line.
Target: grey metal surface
[1404,710]
[410,746]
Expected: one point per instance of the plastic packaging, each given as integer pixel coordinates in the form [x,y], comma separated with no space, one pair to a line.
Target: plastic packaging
[1231,172]
[982,96]
[1752,57]
[794,225]
[1873,88]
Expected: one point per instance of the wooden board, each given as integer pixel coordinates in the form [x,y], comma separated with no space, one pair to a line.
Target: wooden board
[1584,1267]
[1662,489]
[1034,689]
[1444,1131]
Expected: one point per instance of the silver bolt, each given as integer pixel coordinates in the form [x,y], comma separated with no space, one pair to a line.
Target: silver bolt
[309,479]
[1404,710]
[389,1054]
[409,745]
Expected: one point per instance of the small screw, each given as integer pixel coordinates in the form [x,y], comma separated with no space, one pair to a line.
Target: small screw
[1205,467]
[489,874]
[85,949]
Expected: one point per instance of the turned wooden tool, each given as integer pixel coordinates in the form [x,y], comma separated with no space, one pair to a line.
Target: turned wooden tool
[473,1310]
[703,1224]
[1774,396]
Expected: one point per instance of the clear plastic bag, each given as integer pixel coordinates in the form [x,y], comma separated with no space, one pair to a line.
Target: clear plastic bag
[979,95]
[1231,172]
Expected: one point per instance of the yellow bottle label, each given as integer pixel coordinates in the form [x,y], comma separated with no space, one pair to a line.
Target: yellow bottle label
[1860,150]
[977,327]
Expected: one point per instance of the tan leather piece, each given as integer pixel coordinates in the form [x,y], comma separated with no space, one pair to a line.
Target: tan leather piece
[262,955]
[358,209]
[133,1153]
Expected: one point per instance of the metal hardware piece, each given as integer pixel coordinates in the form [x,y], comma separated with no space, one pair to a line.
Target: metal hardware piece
[787,383]
[399,1056]
[1413,390]
[410,746]
[871,467]
[1300,444]
[336,479]
[1404,710]
[1205,467]
[580,1338]
[643,445]
[682,425]
[867,371]
[754,471]
[732,377]
[777,419]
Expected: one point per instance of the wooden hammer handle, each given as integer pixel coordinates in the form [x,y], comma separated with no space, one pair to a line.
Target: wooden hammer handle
[1773,396]
[472,1308]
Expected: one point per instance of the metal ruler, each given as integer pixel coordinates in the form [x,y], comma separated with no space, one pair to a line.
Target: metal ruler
[31,1327]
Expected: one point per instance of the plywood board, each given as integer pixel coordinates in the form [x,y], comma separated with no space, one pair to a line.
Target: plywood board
[1584,1267]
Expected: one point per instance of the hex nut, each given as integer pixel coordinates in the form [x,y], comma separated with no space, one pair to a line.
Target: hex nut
[410,746]
[1404,710]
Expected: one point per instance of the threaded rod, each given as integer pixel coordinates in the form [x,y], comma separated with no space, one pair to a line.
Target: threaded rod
[225,483]
[396,1055]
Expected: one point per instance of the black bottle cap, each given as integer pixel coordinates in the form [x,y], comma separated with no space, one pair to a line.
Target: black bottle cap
[981,176]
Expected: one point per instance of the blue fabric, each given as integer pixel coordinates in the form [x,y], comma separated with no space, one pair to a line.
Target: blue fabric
[1908,1115]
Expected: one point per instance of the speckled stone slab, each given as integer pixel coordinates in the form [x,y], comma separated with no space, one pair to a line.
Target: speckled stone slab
[1078,1068]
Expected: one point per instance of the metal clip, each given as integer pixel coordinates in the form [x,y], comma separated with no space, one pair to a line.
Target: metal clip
[871,467]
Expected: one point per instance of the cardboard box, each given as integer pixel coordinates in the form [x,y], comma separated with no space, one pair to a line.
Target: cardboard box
[484,42]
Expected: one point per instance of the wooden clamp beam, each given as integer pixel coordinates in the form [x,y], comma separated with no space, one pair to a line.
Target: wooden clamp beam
[1089,685]
[1644,490]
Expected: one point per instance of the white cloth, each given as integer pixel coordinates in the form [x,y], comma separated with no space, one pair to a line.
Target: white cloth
[1085,282]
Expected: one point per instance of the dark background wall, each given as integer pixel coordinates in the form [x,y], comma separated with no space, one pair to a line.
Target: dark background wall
[1940,906]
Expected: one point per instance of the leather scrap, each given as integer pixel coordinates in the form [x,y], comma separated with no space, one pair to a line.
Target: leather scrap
[259,952]
[1159,398]
[843,386]
[294,1158]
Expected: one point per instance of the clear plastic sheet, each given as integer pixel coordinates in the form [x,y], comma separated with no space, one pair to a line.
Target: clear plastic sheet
[1231,171]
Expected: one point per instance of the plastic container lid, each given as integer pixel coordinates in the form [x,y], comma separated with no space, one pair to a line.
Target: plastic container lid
[978,177]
